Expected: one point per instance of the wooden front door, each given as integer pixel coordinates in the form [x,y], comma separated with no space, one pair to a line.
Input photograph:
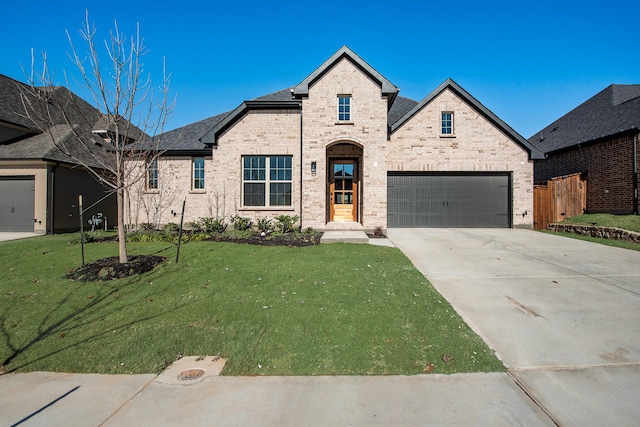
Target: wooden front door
[343,190]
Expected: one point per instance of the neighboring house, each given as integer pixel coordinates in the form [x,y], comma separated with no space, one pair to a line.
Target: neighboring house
[342,150]
[39,184]
[598,139]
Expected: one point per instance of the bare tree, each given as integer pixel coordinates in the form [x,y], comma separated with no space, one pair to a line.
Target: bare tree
[118,132]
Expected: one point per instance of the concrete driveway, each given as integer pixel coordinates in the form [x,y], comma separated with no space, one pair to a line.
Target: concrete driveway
[562,314]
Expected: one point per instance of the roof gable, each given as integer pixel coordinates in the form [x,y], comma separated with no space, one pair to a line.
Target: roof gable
[534,153]
[387,88]
[614,110]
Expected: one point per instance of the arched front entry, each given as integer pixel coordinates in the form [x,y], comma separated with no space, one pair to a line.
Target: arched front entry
[344,183]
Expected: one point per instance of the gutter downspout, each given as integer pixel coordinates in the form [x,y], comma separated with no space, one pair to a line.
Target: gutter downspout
[301,165]
[635,174]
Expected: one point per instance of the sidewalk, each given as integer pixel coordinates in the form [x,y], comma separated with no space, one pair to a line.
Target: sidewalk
[48,399]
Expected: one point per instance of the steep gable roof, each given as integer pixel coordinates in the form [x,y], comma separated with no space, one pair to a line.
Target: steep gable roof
[387,88]
[32,118]
[534,153]
[614,110]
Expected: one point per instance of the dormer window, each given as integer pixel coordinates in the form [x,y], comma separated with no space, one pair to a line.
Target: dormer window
[344,108]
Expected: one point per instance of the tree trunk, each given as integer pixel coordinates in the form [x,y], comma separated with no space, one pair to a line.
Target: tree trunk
[122,235]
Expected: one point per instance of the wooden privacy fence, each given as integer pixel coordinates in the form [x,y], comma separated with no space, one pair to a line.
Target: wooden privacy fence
[561,197]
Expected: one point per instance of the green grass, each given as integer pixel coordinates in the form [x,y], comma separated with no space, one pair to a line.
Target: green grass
[333,309]
[608,242]
[626,222]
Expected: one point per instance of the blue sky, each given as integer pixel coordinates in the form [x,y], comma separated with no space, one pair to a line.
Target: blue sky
[528,62]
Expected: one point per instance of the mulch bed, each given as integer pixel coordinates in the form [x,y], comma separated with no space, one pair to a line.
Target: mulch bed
[292,240]
[111,269]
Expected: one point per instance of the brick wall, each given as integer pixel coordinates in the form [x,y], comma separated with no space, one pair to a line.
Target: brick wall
[608,167]
[262,132]
[367,132]
[478,146]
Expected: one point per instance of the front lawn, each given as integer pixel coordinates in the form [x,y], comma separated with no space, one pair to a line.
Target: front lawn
[332,309]
[626,222]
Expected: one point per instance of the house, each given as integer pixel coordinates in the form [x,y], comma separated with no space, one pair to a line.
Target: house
[599,140]
[343,150]
[39,184]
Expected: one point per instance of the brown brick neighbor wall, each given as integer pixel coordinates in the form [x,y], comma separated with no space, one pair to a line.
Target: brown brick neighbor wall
[608,168]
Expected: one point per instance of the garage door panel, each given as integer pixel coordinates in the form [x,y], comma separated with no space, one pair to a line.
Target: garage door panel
[17,204]
[448,200]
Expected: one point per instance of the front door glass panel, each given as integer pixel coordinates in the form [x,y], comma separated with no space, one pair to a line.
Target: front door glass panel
[343,179]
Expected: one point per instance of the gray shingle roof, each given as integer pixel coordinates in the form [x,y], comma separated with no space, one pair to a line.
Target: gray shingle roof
[187,138]
[615,109]
[11,109]
[198,135]
[55,113]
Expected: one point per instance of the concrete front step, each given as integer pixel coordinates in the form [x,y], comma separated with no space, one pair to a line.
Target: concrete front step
[346,236]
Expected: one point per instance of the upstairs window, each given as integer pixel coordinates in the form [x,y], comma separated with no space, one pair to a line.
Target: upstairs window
[266,180]
[344,108]
[447,123]
[152,174]
[198,173]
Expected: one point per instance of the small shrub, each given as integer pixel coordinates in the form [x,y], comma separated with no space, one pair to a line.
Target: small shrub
[194,226]
[241,223]
[91,236]
[265,225]
[212,225]
[171,228]
[378,232]
[286,223]
[146,226]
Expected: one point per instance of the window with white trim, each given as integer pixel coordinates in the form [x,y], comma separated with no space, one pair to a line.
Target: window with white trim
[266,180]
[152,174]
[447,123]
[344,108]
[197,182]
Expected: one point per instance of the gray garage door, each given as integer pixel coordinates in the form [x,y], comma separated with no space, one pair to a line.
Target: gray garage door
[448,200]
[17,203]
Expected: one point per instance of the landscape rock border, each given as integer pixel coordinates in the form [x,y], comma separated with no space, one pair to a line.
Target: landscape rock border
[597,231]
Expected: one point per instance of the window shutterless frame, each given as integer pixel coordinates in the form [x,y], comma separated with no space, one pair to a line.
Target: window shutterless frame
[152,174]
[197,182]
[266,181]
[344,108]
[447,123]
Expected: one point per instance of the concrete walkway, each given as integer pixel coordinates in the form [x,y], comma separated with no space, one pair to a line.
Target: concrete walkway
[562,314]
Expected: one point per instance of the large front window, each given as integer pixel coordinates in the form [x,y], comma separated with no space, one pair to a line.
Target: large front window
[266,180]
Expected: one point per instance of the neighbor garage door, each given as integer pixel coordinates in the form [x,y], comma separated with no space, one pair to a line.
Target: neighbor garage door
[448,200]
[17,203]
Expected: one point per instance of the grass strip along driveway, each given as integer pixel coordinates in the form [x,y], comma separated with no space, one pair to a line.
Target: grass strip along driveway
[332,309]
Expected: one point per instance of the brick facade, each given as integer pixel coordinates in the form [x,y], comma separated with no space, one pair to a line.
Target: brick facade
[607,166]
[476,146]
[366,132]
[312,135]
